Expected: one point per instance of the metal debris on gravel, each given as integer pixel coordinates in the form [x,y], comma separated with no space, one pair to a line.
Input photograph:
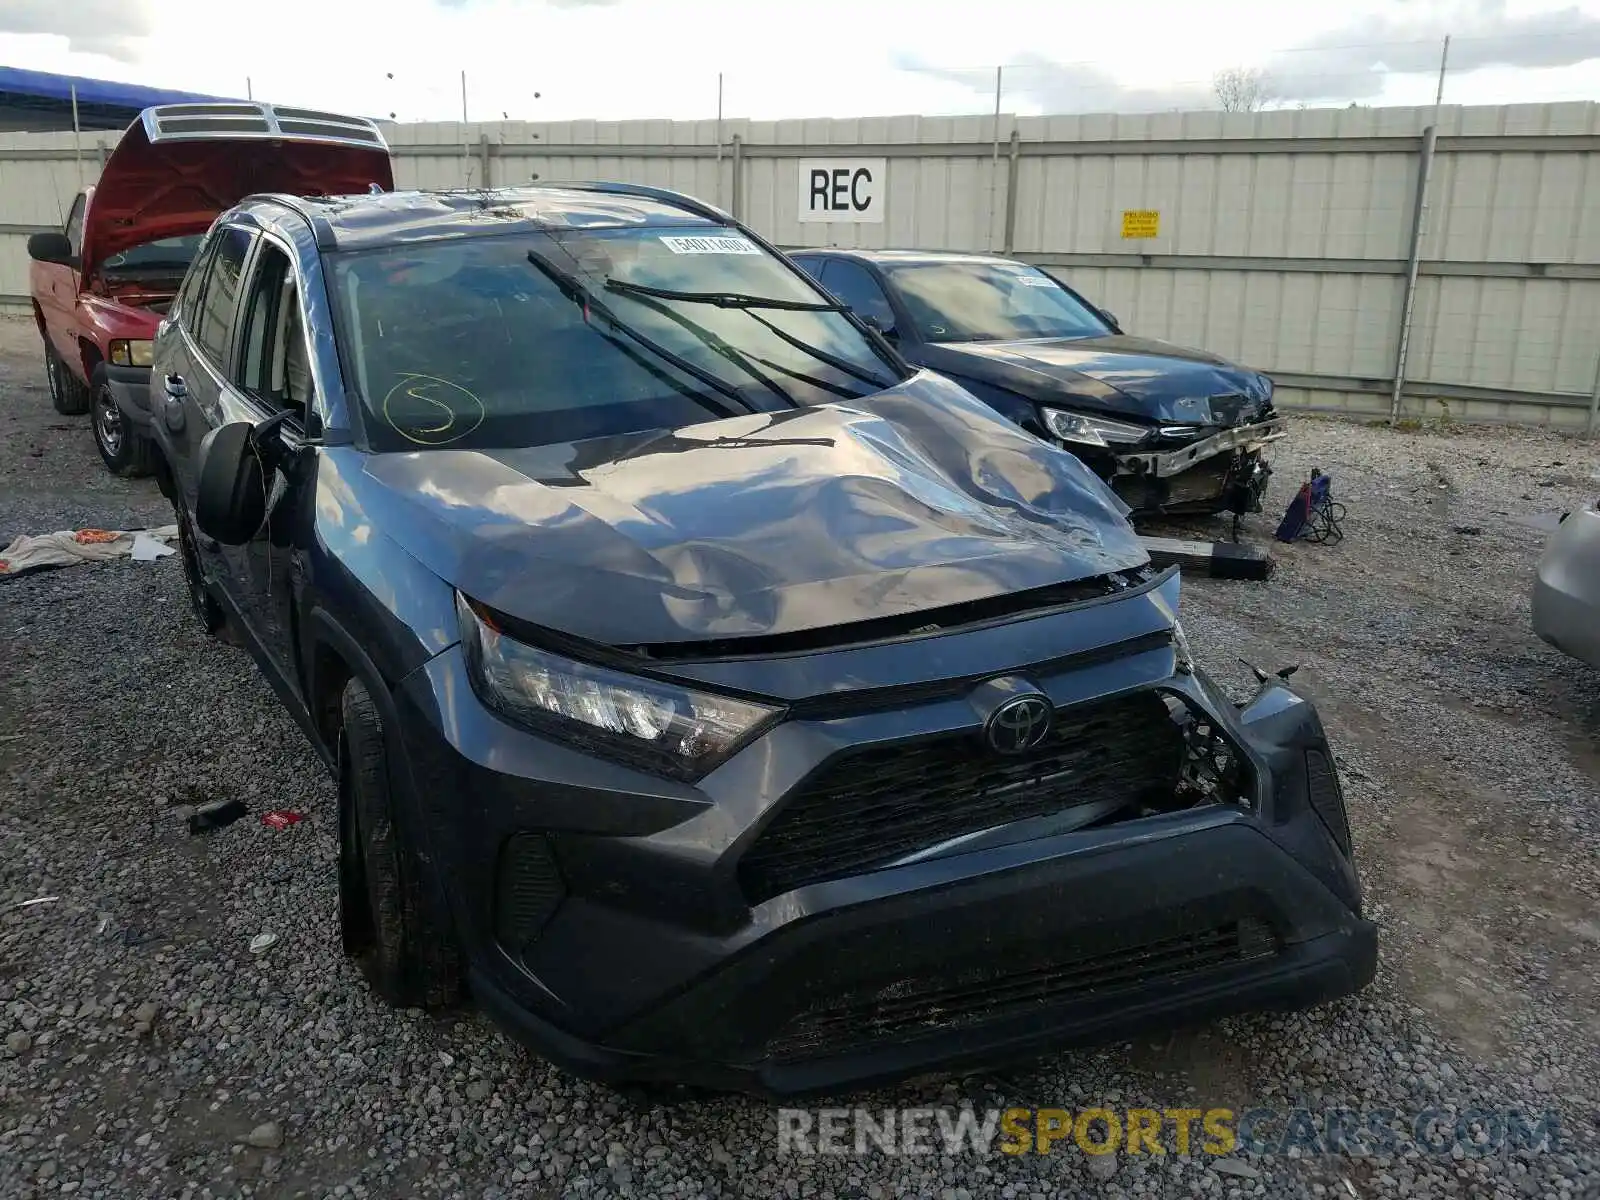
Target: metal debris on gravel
[149,1054]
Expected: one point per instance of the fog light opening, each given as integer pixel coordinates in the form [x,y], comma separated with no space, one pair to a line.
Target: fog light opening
[1212,771]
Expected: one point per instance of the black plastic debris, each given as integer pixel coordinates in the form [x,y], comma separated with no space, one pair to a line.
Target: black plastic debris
[1219,560]
[215,815]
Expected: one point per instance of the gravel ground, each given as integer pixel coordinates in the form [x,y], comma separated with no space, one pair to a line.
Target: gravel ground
[149,1053]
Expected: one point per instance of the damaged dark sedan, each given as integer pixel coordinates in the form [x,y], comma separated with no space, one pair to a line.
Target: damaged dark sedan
[1172,430]
[714,697]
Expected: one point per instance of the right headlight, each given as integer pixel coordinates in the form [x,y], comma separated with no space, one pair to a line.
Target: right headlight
[662,726]
[1091,431]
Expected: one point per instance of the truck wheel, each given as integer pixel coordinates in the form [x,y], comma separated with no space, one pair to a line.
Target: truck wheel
[67,395]
[205,606]
[383,916]
[125,451]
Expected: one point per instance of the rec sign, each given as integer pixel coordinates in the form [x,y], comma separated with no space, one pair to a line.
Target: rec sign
[843,189]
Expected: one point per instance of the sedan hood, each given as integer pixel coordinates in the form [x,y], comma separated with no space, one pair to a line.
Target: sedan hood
[1115,374]
[177,180]
[911,499]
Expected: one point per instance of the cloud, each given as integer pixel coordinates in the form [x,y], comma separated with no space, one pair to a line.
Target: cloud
[1349,63]
[110,27]
[1035,83]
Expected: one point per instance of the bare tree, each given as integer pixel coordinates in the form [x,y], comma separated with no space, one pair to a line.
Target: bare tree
[1242,89]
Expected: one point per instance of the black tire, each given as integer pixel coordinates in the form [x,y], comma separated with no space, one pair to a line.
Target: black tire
[124,450]
[67,396]
[384,918]
[207,611]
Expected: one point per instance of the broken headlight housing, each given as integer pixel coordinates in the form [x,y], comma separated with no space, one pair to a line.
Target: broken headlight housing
[1180,650]
[1092,431]
[661,726]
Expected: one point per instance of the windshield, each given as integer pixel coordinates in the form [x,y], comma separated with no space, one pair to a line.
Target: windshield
[168,255]
[516,339]
[990,302]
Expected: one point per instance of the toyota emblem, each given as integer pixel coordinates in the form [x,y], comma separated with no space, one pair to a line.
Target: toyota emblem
[1019,725]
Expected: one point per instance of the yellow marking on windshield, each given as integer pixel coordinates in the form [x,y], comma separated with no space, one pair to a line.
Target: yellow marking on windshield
[454,421]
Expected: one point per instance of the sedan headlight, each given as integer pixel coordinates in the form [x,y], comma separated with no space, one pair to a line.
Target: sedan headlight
[131,354]
[667,728]
[1091,431]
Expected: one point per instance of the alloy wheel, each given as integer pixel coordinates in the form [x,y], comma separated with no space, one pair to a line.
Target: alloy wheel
[108,423]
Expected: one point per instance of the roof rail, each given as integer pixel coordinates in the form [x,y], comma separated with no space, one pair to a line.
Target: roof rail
[665,195]
[248,119]
[321,229]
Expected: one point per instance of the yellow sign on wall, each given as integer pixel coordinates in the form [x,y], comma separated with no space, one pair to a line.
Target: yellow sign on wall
[1141,223]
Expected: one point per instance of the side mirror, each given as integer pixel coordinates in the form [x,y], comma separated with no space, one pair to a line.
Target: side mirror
[1111,319]
[230,502]
[876,326]
[51,247]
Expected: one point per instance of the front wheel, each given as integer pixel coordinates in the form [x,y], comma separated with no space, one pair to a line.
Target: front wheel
[383,914]
[67,396]
[125,452]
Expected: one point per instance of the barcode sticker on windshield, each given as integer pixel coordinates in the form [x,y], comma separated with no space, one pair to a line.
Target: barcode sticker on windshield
[710,245]
[1037,281]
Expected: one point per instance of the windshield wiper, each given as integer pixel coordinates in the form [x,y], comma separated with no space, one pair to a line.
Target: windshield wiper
[719,345]
[723,299]
[569,287]
[748,305]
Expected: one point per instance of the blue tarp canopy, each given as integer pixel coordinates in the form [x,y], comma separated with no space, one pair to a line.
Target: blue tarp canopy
[38,100]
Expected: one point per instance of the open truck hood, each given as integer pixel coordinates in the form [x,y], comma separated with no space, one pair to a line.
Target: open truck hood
[911,499]
[179,165]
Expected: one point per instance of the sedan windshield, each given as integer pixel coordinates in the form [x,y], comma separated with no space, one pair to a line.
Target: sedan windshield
[534,339]
[990,302]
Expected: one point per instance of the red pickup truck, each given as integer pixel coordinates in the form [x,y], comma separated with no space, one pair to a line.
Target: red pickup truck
[103,283]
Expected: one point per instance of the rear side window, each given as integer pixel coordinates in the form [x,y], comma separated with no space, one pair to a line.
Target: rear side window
[211,325]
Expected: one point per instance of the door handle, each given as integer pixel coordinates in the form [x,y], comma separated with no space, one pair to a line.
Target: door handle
[172,406]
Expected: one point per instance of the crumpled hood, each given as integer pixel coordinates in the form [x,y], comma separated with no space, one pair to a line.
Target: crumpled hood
[174,188]
[1115,374]
[911,499]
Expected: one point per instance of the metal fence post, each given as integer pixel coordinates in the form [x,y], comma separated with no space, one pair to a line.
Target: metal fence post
[994,160]
[1594,399]
[1012,172]
[737,206]
[1430,139]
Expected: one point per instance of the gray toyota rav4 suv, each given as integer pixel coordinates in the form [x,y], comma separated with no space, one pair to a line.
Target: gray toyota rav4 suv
[713,696]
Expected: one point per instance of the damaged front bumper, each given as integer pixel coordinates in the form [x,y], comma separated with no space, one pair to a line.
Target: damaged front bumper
[773,927]
[1224,472]
[1166,463]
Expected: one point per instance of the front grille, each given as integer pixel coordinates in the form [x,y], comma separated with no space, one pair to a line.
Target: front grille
[864,810]
[914,1007]
[1200,483]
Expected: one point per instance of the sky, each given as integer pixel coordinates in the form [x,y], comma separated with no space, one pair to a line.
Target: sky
[558,60]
